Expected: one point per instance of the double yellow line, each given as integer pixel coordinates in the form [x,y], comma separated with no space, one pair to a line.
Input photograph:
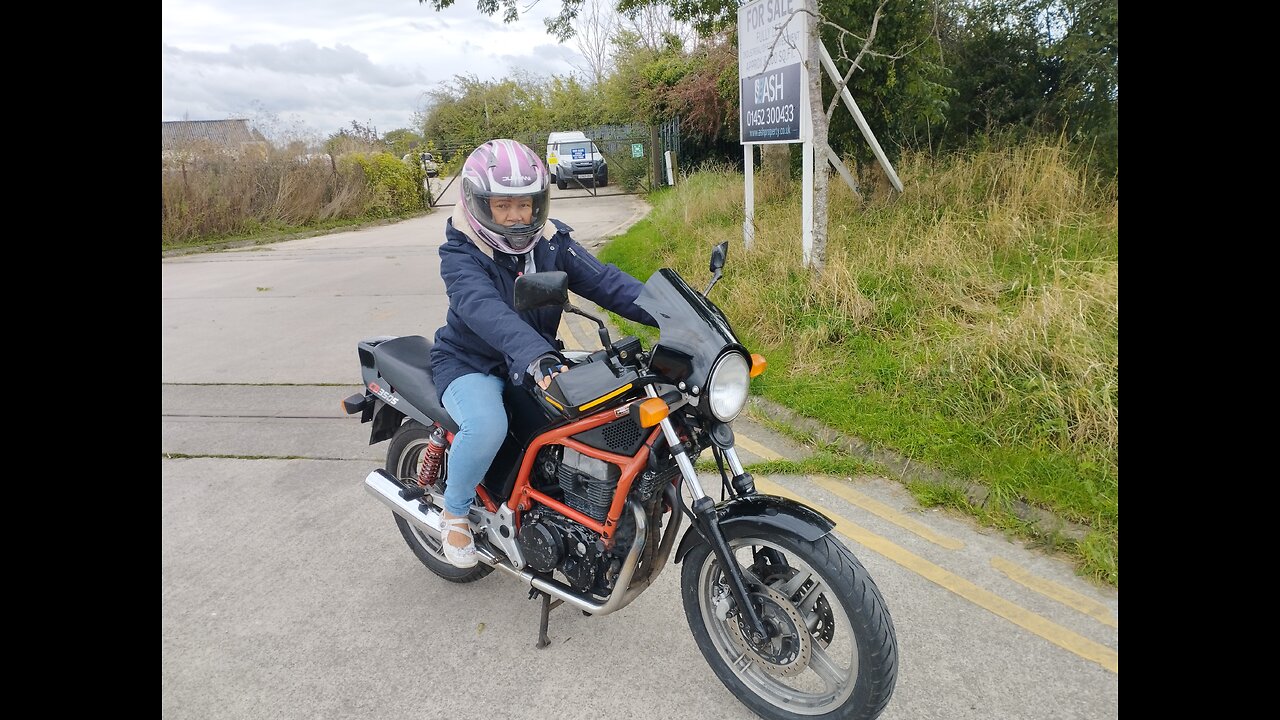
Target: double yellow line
[1022,617]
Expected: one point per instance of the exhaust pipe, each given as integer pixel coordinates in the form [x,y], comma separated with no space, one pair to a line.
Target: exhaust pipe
[381,485]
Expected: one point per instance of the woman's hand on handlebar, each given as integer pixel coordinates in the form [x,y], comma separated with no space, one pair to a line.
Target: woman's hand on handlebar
[545,382]
[544,368]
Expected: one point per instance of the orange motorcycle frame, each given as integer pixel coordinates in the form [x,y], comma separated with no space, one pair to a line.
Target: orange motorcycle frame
[524,496]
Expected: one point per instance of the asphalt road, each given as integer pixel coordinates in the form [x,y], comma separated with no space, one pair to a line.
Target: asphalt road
[287,592]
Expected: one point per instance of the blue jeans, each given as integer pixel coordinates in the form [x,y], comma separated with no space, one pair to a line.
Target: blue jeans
[475,403]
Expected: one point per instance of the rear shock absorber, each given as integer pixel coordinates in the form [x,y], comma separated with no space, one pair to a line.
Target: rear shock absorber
[431,457]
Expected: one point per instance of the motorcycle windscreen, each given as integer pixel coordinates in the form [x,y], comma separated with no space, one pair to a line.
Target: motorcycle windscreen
[692,332]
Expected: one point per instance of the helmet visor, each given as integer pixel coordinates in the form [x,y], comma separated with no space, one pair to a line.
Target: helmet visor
[518,218]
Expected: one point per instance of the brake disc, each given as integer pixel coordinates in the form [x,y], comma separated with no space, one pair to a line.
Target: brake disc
[825,629]
[786,653]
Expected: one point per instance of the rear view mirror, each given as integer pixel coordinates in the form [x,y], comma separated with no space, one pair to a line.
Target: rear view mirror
[717,265]
[541,289]
[718,256]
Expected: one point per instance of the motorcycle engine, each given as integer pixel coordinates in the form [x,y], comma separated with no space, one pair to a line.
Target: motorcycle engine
[551,541]
[588,483]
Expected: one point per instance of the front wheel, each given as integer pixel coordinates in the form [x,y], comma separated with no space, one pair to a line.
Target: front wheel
[404,457]
[832,651]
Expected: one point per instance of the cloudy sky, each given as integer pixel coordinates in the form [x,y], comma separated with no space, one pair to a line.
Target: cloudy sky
[311,67]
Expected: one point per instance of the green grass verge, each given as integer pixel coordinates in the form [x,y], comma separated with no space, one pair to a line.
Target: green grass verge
[959,357]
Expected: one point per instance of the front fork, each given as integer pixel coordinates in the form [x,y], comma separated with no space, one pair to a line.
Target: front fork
[708,522]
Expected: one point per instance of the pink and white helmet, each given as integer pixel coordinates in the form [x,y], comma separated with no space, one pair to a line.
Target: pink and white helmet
[505,168]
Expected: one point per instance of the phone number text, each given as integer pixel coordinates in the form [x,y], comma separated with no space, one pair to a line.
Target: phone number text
[771,115]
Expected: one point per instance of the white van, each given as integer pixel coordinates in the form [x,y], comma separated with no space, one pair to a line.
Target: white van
[572,155]
[425,160]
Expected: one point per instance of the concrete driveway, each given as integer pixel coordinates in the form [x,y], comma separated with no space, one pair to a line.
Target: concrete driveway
[287,592]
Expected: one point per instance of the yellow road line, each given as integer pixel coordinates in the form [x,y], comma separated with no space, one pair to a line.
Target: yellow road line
[567,333]
[1054,633]
[857,498]
[1066,596]
[754,447]
[842,489]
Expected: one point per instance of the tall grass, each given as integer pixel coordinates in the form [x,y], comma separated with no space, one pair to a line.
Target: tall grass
[970,323]
[218,197]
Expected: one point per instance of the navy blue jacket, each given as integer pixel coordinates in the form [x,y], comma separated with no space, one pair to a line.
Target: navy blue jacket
[483,333]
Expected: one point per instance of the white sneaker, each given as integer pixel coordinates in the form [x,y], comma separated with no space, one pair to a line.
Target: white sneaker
[459,557]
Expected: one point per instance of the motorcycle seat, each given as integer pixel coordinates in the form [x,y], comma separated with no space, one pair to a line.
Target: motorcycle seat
[405,363]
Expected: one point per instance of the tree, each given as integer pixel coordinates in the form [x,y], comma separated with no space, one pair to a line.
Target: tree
[706,97]
[707,17]
[642,78]
[401,141]
[595,41]
[359,139]
[890,60]
[561,26]
[924,73]
[279,133]
[467,111]
[1084,38]
[1033,66]
[655,26]
[570,104]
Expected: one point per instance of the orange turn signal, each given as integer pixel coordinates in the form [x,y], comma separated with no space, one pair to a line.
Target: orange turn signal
[652,411]
[757,364]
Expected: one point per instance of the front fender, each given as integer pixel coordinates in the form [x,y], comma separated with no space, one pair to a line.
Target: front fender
[766,511]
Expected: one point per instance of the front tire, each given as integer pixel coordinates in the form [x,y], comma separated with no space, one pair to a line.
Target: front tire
[404,456]
[835,652]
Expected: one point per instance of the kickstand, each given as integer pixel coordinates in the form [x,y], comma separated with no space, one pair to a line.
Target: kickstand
[547,606]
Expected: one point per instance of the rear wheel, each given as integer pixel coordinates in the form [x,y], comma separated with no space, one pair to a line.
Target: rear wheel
[560,182]
[404,457]
[832,651]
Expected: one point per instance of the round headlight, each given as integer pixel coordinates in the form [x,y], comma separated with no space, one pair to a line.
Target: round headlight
[727,388]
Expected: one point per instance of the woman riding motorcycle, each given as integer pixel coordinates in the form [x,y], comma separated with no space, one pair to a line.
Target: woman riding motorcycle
[498,232]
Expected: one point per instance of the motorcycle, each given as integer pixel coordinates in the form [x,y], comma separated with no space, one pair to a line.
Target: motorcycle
[593,469]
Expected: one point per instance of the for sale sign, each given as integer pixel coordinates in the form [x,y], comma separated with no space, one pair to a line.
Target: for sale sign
[773,43]
[771,106]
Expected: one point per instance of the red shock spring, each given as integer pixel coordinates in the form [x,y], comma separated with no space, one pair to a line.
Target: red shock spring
[431,457]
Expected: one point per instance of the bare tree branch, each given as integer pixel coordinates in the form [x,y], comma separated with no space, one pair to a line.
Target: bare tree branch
[844,54]
[855,62]
[653,23]
[595,40]
[778,36]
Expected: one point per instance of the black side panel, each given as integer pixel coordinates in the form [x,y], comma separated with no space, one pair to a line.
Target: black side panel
[586,384]
[623,436]
[525,420]
[386,420]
